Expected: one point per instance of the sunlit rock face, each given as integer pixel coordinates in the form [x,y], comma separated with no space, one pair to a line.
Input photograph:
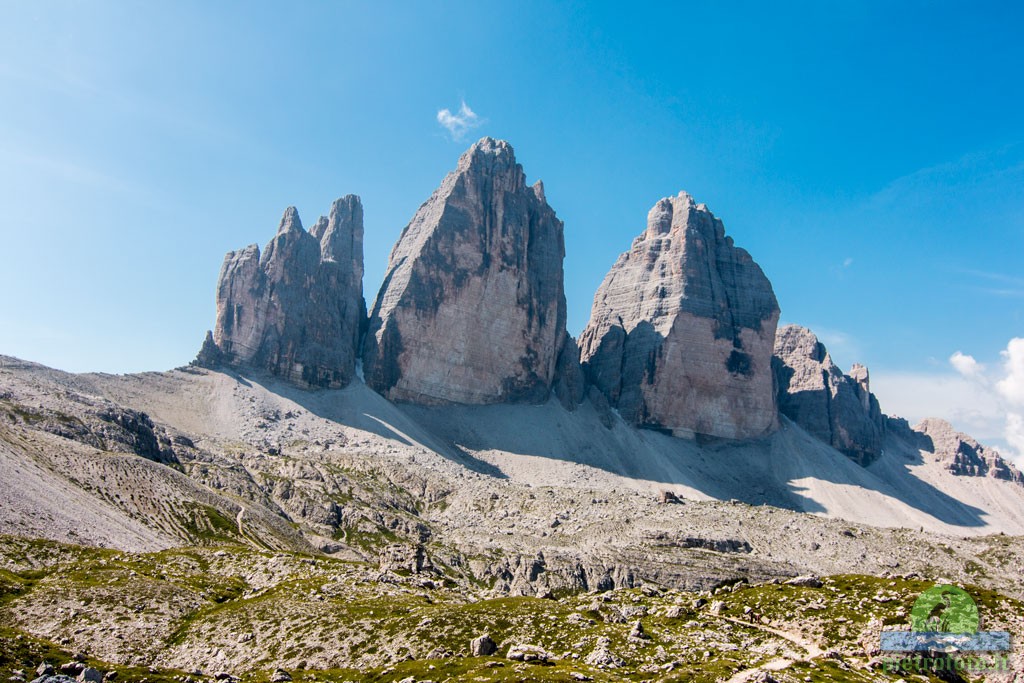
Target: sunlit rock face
[961,454]
[296,310]
[472,309]
[839,409]
[682,329]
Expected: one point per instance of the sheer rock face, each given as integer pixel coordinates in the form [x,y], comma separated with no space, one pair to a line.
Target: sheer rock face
[813,392]
[296,311]
[472,309]
[682,329]
[961,454]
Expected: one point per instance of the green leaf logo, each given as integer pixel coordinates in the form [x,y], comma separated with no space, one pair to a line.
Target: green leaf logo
[944,609]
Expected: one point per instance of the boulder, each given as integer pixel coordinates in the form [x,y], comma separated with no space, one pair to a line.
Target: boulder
[681,331]
[602,657]
[807,581]
[529,653]
[482,646]
[90,675]
[637,631]
[297,309]
[472,309]
[836,408]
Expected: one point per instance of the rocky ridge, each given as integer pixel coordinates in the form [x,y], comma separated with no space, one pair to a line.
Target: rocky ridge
[837,408]
[297,310]
[682,329]
[962,454]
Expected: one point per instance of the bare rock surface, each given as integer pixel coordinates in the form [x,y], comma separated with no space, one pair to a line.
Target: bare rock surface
[297,310]
[837,408]
[472,309]
[962,454]
[682,329]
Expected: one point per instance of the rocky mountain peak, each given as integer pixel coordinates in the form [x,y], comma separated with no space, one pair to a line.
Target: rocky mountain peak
[472,309]
[340,235]
[493,161]
[836,408]
[297,310]
[289,221]
[681,331]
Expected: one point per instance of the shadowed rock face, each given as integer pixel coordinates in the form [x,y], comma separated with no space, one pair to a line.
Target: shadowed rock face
[961,454]
[682,329]
[472,309]
[297,310]
[813,392]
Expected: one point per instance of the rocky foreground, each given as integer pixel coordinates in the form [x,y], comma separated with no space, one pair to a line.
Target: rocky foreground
[198,614]
[248,528]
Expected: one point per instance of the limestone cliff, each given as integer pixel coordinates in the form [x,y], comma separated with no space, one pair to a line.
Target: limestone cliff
[472,309]
[839,409]
[297,310]
[682,329]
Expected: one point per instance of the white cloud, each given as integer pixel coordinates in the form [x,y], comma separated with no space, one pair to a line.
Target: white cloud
[459,124]
[1015,434]
[966,365]
[847,262]
[985,403]
[968,405]
[1011,387]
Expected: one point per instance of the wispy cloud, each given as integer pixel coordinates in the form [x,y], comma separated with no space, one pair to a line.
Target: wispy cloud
[993,283]
[839,270]
[461,123]
[994,277]
[916,395]
[67,170]
[972,174]
[1004,293]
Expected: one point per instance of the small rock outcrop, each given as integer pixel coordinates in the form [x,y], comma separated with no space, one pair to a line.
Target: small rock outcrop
[472,309]
[961,454]
[482,646]
[529,653]
[681,332]
[297,309]
[836,408]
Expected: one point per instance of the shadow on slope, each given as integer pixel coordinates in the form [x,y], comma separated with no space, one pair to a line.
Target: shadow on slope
[789,469]
[545,444]
[360,407]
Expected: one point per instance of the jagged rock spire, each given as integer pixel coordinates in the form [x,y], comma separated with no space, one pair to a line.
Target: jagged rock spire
[472,309]
[682,328]
[297,310]
[839,409]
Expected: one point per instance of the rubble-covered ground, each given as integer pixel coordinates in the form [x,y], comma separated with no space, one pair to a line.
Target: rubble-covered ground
[196,613]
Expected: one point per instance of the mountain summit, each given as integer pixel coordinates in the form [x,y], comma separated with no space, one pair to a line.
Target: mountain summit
[682,329]
[472,309]
[297,310]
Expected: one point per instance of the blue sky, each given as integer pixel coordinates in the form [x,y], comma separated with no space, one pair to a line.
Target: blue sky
[869,155]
